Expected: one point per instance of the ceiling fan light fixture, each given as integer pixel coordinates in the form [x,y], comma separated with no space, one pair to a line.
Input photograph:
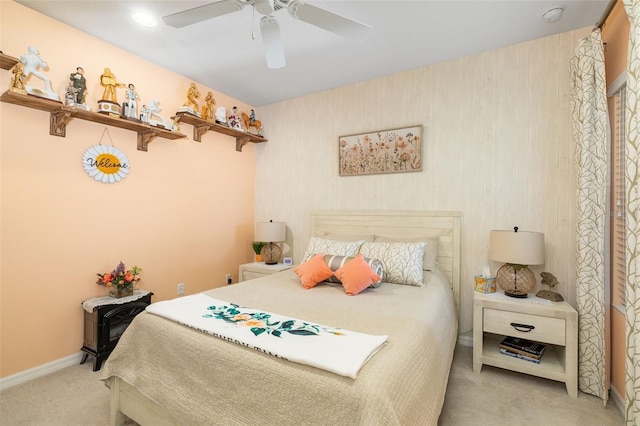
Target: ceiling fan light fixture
[272,42]
[264,7]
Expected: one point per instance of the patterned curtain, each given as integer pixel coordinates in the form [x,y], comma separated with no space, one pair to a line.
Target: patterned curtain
[632,184]
[590,128]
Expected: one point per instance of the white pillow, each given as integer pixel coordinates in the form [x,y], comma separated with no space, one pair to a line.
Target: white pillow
[430,251]
[402,261]
[336,248]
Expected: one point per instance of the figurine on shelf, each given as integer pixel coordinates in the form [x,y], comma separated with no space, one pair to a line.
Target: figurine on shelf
[79,84]
[191,106]
[70,95]
[208,108]
[131,106]
[250,121]
[152,111]
[109,102]
[17,79]
[221,116]
[32,63]
[234,122]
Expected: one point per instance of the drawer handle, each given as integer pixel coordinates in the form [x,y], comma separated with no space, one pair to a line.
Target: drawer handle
[525,328]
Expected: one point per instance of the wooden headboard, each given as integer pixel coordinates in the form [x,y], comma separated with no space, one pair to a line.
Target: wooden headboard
[403,224]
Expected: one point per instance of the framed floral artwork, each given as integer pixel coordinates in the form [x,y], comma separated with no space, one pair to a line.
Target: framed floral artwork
[384,151]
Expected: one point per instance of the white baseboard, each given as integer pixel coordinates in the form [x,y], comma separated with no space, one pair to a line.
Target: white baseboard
[39,371]
[618,401]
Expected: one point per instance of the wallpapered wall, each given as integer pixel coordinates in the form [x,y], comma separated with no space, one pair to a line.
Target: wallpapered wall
[497,146]
[184,213]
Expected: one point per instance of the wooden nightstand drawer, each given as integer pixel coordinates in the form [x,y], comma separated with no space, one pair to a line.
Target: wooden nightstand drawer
[542,329]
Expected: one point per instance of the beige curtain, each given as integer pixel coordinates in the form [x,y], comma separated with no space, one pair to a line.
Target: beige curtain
[590,128]
[632,185]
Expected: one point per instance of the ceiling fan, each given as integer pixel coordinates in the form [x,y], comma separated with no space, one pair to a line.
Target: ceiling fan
[269,27]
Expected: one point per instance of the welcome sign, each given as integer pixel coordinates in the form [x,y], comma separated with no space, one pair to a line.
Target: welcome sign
[106,164]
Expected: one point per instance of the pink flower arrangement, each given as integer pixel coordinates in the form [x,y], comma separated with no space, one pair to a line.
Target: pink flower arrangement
[119,276]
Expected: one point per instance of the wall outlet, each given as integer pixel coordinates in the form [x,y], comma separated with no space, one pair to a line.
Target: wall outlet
[180,289]
[228,279]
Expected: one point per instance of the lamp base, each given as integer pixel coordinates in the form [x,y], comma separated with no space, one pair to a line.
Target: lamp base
[271,253]
[515,280]
[517,295]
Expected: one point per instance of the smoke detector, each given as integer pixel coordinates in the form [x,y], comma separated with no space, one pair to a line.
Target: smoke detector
[553,15]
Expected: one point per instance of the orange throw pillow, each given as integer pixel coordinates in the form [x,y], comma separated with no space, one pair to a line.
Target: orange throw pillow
[356,275]
[313,271]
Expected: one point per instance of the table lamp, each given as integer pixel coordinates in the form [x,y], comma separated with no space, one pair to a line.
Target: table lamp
[518,250]
[273,232]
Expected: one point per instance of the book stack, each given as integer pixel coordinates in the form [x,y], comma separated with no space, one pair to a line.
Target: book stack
[522,349]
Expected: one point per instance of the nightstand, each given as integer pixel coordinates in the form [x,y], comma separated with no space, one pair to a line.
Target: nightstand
[252,270]
[496,316]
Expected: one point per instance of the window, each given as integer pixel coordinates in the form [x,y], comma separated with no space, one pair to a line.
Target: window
[618,192]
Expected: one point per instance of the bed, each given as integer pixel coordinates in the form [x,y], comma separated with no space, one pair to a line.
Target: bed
[164,373]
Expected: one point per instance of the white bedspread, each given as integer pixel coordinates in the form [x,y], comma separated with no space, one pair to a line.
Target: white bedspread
[339,351]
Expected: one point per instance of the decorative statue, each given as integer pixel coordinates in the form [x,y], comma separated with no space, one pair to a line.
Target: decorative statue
[250,121]
[110,83]
[152,111]
[221,116]
[17,79]
[32,64]
[131,106]
[191,106]
[550,280]
[80,84]
[234,122]
[70,95]
[109,102]
[208,108]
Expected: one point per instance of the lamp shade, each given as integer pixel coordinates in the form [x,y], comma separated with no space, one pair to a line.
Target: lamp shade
[270,232]
[517,247]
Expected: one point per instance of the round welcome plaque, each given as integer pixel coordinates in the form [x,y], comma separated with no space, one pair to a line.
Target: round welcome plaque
[106,164]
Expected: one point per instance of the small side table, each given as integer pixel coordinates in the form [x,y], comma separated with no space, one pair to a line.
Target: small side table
[555,324]
[252,270]
[105,319]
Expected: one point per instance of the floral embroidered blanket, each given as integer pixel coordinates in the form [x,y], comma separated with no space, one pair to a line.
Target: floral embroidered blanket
[339,351]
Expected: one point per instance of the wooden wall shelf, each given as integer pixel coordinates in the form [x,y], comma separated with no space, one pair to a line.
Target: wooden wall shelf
[6,61]
[61,115]
[200,127]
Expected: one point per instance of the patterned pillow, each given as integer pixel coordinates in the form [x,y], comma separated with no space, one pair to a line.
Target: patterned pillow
[402,262]
[337,262]
[338,248]
[430,251]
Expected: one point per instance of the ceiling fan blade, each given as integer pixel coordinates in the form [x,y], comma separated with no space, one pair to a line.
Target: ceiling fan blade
[202,13]
[272,42]
[326,20]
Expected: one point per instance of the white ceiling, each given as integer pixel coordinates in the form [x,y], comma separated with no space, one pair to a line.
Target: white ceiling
[220,52]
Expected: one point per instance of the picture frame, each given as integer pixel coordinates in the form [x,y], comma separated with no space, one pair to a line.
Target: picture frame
[287,261]
[383,151]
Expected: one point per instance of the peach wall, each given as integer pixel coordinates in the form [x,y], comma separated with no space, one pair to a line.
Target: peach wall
[615,34]
[185,212]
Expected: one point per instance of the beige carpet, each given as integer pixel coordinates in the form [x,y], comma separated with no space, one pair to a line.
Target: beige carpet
[74,396]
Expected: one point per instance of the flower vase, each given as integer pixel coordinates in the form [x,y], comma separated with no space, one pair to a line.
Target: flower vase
[258,258]
[118,291]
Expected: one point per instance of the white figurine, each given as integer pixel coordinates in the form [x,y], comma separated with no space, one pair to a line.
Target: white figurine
[152,111]
[234,121]
[131,106]
[32,63]
[221,115]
